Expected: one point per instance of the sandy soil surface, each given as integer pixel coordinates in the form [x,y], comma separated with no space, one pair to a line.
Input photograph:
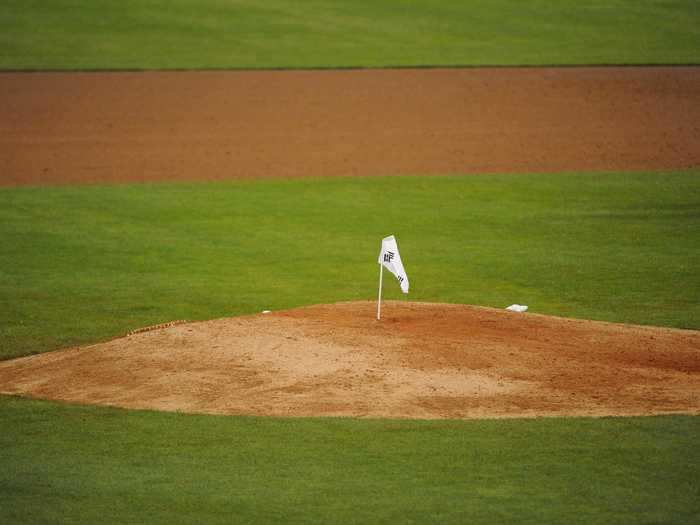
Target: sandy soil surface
[420,361]
[120,127]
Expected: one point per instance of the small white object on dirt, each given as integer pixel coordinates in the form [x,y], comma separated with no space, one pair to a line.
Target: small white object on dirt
[266,311]
[517,308]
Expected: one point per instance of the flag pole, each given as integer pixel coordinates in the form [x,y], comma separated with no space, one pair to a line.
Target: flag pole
[379,299]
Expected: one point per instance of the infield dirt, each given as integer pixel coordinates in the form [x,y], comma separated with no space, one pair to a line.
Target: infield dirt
[421,360]
[58,128]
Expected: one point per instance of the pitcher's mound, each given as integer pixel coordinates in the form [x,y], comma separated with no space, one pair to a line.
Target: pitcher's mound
[420,361]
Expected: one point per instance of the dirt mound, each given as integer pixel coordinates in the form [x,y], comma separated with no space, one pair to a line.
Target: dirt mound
[421,360]
[59,128]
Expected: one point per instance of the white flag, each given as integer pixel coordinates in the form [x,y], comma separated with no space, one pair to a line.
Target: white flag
[390,258]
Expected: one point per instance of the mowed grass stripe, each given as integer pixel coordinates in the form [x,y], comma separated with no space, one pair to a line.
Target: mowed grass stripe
[82,264]
[72,464]
[182,34]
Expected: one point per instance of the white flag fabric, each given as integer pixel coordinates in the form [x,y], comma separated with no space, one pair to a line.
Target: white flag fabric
[390,258]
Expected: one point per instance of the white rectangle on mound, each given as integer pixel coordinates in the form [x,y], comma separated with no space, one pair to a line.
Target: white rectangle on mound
[517,308]
[391,260]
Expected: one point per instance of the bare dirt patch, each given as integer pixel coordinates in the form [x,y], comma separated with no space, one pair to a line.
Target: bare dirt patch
[58,128]
[421,361]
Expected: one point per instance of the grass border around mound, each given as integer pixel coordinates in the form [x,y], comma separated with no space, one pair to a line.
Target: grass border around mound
[86,263]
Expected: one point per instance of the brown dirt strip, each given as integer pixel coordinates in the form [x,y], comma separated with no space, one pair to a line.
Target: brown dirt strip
[421,361]
[58,128]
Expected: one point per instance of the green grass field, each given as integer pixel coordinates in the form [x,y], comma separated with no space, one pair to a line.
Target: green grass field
[94,465]
[86,263]
[147,34]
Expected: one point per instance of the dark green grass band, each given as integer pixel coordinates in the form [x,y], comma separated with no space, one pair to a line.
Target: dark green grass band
[72,464]
[388,67]
[246,34]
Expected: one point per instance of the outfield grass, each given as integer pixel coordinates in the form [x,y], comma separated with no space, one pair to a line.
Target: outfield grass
[147,34]
[86,263]
[73,464]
